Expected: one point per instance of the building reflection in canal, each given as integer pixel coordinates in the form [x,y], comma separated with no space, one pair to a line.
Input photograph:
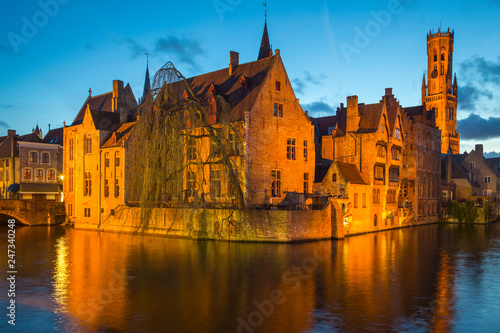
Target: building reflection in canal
[409,279]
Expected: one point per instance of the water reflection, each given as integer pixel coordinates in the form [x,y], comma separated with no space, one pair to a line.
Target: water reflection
[432,278]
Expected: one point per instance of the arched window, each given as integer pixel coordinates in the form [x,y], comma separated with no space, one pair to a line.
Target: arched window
[39,174]
[33,157]
[51,175]
[435,56]
[27,174]
[88,144]
[45,158]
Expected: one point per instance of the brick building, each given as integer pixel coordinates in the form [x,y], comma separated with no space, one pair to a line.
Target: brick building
[276,156]
[440,91]
[422,163]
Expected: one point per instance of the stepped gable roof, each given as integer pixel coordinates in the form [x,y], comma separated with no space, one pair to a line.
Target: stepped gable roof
[98,103]
[320,171]
[122,132]
[54,136]
[351,173]
[229,86]
[324,123]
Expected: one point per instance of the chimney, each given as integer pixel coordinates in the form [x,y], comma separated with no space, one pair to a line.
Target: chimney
[388,91]
[11,133]
[479,149]
[118,102]
[352,114]
[234,61]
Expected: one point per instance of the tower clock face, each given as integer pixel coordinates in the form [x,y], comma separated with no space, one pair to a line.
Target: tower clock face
[434,74]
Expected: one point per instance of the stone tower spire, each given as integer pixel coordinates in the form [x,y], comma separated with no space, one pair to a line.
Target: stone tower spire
[265,47]
[147,81]
[424,89]
[441,92]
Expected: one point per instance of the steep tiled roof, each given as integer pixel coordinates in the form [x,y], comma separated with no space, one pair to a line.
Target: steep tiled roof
[229,86]
[122,133]
[370,117]
[105,120]
[32,137]
[98,103]
[351,173]
[322,124]
[54,136]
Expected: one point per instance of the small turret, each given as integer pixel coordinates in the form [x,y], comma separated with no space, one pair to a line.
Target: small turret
[424,89]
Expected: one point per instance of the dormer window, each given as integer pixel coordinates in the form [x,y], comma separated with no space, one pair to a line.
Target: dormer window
[397,134]
[278,86]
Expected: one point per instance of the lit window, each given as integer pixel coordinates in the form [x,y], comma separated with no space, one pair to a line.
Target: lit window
[33,157]
[39,174]
[290,149]
[27,174]
[51,175]
[396,153]
[275,183]
[278,110]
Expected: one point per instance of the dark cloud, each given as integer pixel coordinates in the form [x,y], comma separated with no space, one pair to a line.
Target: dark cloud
[480,78]
[185,50]
[136,50]
[307,78]
[469,95]
[476,128]
[4,124]
[320,109]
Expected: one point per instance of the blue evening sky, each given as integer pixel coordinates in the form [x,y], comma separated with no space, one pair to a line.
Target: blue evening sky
[53,51]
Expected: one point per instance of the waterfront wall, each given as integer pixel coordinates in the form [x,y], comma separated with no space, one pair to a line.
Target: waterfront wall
[224,224]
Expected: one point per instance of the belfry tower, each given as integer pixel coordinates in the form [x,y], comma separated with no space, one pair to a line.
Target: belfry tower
[440,91]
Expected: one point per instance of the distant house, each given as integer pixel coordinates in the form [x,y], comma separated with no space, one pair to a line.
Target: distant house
[31,167]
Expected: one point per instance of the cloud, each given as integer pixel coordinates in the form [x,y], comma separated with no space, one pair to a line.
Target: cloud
[4,124]
[469,95]
[185,50]
[136,50]
[480,80]
[476,128]
[491,154]
[307,78]
[319,108]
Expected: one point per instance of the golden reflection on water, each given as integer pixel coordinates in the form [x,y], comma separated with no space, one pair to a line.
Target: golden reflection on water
[60,279]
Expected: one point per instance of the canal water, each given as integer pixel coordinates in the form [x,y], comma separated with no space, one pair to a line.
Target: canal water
[430,278]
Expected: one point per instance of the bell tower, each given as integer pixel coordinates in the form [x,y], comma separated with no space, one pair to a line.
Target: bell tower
[440,91]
